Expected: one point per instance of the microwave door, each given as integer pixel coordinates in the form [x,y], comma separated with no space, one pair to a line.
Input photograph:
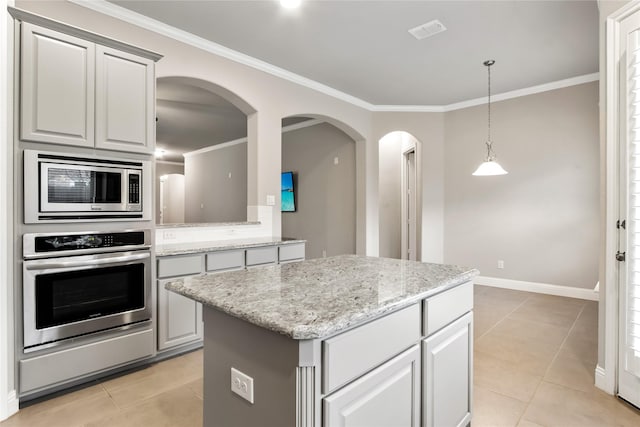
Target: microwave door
[77,188]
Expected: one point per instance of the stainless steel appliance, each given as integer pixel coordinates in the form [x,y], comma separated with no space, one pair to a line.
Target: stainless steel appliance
[65,187]
[80,283]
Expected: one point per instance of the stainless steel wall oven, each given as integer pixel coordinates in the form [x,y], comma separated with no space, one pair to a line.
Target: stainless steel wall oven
[80,283]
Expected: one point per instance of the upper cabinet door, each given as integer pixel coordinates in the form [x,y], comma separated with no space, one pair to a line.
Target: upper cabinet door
[125,107]
[57,87]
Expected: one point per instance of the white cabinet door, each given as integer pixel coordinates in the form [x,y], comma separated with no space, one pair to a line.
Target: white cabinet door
[179,319]
[448,374]
[388,396]
[125,101]
[57,87]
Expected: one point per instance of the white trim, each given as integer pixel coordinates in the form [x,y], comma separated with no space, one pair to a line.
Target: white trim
[8,398]
[540,288]
[215,147]
[166,30]
[302,125]
[150,24]
[409,108]
[167,162]
[608,373]
[297,126]
[525,92]
[601,379]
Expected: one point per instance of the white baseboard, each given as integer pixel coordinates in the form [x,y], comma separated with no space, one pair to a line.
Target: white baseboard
[540,288]
[603,382]
[12,405]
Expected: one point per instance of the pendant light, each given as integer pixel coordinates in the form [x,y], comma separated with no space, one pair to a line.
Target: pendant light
[490,166]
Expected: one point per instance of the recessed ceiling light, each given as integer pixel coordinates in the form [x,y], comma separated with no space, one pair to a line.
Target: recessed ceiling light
[290,4]
[429,29]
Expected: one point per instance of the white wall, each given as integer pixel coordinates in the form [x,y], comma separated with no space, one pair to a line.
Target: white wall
[325,192]
[542,218]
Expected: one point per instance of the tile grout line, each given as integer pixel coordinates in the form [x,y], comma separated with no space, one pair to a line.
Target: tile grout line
[552,361]
[502,320]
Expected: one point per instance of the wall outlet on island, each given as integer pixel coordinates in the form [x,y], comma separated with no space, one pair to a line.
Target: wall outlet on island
[242,385]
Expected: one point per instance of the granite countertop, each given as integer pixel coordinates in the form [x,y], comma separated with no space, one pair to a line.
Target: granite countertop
[218,245]
[320,297]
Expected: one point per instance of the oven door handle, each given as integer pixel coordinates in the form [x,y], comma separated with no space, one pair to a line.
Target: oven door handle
[48,264]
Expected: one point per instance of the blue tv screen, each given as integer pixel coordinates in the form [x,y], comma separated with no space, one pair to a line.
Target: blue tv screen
[287,194]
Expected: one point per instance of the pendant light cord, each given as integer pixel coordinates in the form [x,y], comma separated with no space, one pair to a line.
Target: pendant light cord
[490,155]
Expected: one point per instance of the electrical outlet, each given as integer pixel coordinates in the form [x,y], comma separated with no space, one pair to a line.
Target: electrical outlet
[169,235]
[271,200]
[336,160]
[324,253]
[242,385]
[500,264]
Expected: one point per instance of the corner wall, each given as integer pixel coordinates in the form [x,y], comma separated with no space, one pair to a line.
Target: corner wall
[542,218]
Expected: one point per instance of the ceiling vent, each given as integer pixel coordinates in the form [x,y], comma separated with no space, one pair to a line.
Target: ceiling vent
[429,29]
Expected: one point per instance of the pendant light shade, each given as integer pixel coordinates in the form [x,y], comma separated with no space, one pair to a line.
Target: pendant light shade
[490,166]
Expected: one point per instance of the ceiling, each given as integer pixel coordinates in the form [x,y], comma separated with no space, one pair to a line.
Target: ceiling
[363,48]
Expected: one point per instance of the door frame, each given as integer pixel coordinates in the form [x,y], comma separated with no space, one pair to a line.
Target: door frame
[404,211]
[606,374]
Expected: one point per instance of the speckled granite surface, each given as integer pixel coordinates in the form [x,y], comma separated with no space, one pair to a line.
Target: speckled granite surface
[218,245]
[317,298]
[206,224]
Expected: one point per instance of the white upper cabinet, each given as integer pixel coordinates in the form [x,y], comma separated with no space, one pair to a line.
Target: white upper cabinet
[57,87]
[82,89]
[124,101]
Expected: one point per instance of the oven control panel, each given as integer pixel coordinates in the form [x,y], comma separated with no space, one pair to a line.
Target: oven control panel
[38,245]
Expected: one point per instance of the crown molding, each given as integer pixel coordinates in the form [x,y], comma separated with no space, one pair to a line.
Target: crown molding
[297,126]
[126,15]
[166,30]
[573,81]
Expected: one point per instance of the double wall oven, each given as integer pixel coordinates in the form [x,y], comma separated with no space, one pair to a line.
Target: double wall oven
[81,283]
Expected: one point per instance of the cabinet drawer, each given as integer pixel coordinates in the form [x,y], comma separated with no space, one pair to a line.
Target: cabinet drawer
[351,354]
[225,260]
[291,252]
[179,266]
[257,256]
[387,396]
[444,308]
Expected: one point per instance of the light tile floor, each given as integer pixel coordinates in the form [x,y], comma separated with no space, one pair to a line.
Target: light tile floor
[535,357]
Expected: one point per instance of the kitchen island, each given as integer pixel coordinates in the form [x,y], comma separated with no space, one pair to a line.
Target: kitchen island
[339,341]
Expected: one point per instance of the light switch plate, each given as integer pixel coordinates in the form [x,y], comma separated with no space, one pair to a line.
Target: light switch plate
[242,385]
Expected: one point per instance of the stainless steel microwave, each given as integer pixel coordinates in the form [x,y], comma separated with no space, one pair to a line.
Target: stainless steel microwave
[60,187]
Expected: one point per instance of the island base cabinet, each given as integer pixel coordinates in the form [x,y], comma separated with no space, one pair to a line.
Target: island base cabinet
[388,396]
[179,319]
[448,374]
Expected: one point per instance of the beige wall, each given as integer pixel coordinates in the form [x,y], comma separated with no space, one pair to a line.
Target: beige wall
[325,192]
[164,169]
[216,185]
[542,219]
[428,130]
[389,186]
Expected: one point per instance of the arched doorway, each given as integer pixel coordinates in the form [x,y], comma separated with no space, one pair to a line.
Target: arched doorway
[322,158]
[399,192]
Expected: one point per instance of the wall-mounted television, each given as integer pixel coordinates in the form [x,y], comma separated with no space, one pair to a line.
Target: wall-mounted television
[288,196]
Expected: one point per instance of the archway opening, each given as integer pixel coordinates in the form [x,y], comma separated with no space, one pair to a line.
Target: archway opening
[399,192]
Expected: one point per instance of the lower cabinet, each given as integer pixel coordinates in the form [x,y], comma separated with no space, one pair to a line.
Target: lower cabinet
[179,319]
[387,396]
[448,375]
